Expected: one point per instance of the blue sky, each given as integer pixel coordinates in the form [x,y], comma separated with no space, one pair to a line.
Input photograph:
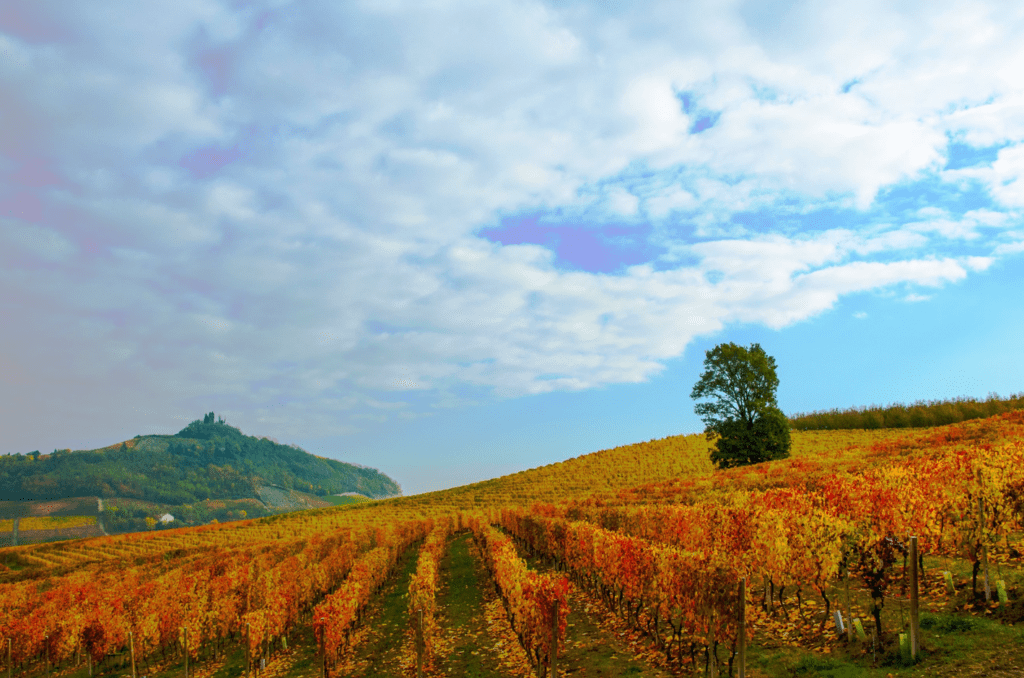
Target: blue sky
[452,240]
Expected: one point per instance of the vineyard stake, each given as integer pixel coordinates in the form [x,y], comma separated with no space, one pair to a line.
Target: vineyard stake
[10,666]
[981,536]
[248,656]
[984,548]
[712,654]
[186,652]
[1001,590]
[554,642]
[419,643]
[323,650]
[46,639]
[849,612]
[915,632]
[131,648]
[988,588]
[742,623]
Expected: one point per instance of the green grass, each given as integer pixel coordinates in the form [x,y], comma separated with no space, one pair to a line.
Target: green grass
[952,645]
[810,665]
[465,590]
[387,619]
[230,664]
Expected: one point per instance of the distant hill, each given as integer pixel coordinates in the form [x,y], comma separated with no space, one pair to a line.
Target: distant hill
[207,460]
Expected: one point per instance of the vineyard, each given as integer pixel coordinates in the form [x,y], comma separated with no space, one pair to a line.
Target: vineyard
[868,552]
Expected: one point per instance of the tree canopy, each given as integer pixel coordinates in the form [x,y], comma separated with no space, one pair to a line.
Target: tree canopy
[741,413]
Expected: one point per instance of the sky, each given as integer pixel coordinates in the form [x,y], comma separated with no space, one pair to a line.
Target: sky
[456,239]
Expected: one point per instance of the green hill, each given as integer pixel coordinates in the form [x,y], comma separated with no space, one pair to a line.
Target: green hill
[207,460]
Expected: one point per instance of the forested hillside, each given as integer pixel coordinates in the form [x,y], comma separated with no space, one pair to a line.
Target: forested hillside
[208,459]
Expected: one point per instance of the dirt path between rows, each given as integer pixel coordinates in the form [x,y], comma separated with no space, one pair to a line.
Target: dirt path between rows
[478,641]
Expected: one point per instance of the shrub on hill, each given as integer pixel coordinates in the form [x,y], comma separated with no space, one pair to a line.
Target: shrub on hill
[920,414]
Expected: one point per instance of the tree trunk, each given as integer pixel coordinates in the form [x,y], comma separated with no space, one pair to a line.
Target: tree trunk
[974,578]
[876,612]
[828,609]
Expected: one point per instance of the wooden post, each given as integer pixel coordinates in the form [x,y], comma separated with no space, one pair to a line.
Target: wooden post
[88,659]
[248,655]
[186,651]
[419,643]
[323,650]
[554,642]
[981,537]
[988,586]
[10,666]
[712,655]
[741,621]
[984,548]
[849,612]
[46,646]
[131,648]
[915,633]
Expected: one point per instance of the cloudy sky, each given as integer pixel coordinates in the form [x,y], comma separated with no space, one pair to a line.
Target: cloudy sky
[455,239]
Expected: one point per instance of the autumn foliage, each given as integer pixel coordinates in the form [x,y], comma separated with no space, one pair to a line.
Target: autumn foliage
[423,588]
[666,554]
[529,596]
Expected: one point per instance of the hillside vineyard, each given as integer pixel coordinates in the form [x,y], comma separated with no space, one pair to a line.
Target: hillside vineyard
[648,530]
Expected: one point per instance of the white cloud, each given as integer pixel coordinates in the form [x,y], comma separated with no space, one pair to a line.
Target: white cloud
[825,145]
[1004,249]
[978,263]
[675,198]
[658,121]
[327,256]
[894,239]
[18,237]
[778,300]
[622,201]
[1004,178]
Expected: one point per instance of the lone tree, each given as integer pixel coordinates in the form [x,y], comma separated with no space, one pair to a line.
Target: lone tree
[743,414]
